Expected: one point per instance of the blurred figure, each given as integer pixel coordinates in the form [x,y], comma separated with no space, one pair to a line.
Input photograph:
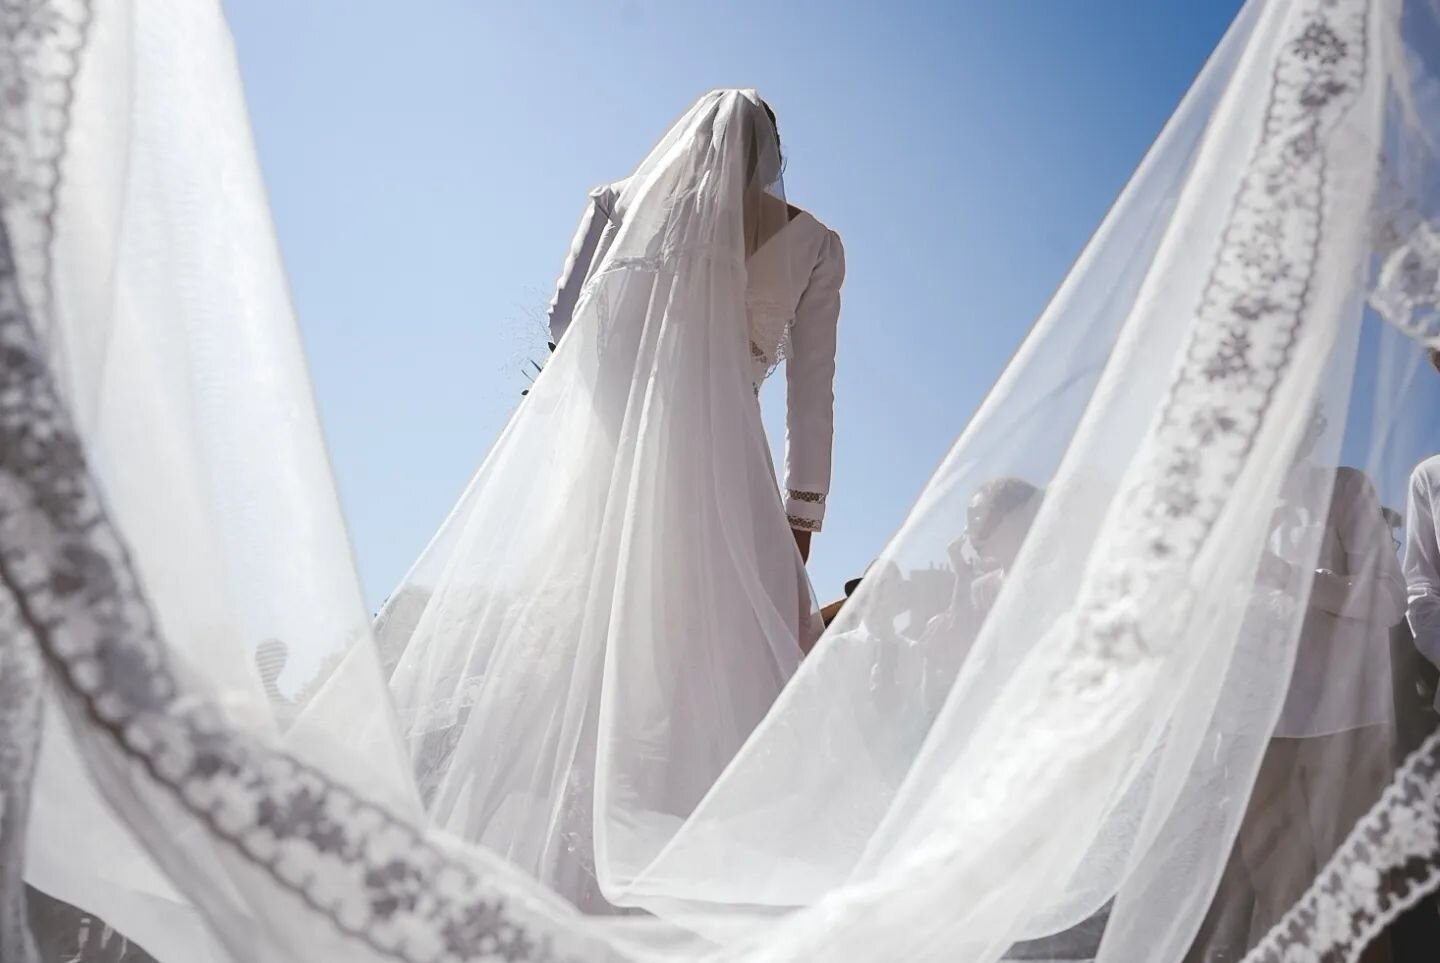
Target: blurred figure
[922,597]
[1422,570]
[1329,756]
[997,521]
[270,659]
[67,934]
[1415,653]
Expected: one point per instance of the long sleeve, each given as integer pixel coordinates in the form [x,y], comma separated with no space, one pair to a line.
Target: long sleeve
[1371,588]
[810,390]
[1422,566]
[588,246]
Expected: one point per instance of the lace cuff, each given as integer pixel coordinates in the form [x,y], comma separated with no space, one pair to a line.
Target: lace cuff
[806,510]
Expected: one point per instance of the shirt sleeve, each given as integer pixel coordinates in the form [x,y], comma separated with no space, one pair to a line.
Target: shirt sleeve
[1371,588]
[1422,566]
[810,391]
[591,237]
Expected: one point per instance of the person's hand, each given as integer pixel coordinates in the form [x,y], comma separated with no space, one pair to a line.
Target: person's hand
[802,542]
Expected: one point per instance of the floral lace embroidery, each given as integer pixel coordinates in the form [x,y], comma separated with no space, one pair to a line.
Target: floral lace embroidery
[817,498]
[1252,310]
[21,686]
[43,39]
[77,593]
[38,62]
[1132,603]
[770,328]
[1389,862]
[372,875]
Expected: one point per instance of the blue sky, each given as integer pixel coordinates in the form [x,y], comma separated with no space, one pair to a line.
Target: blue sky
[426,165]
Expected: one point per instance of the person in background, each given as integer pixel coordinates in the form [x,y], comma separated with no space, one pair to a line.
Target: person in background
[1422,557]
[997,521]
[1415,679]
[1327,758]
[270,658]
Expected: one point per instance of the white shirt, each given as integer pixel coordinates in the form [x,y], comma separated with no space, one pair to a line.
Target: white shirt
[1341,678]
[794,291]
[1422,560]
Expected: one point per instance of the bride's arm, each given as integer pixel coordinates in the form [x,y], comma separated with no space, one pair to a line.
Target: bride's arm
[583,251]
[810,395]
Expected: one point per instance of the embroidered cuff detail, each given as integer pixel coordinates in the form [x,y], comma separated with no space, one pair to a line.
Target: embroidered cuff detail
[806,510]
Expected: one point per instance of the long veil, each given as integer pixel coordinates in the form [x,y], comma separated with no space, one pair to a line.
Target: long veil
[1163,706]
[617,599]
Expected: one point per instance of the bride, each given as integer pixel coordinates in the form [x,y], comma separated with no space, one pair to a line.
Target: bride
[808,296]
[1077,771]
[617,598]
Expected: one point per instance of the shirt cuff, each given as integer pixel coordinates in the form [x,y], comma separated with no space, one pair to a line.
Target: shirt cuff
[805,510]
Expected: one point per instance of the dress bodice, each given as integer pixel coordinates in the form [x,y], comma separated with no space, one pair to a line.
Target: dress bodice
[792,304]
[778,275]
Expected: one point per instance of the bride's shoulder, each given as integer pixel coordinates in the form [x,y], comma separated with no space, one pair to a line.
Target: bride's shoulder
[823,250]
[813,226]
[829,250]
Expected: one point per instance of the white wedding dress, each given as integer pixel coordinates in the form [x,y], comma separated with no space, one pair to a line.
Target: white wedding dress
[792,303]
[617,599]
[1064,778]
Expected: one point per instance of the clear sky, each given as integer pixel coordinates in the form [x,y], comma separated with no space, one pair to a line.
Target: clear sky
[427,164]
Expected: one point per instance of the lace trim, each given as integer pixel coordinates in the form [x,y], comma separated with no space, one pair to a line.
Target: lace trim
[78,594]
[1135,597]
[373,876]
[43,40]
[781,355]
[760,314]
[38,63]
[803,524]
[1252,312]
[1389,862]
[816,498]
[21,686]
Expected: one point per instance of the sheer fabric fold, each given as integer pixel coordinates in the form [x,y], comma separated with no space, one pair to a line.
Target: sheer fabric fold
[1132,709]
[617,599]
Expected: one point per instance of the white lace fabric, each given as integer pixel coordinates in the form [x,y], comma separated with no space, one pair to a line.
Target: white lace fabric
[1079,761]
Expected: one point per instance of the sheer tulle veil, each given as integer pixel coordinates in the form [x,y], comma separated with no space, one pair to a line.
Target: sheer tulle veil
[617,592]
[1152,710]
